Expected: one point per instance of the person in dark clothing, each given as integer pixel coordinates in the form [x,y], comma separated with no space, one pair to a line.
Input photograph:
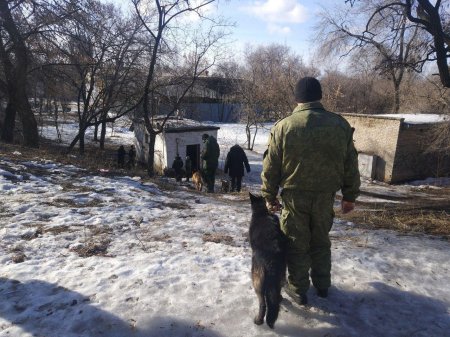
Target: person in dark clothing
[210,156]
[121,157]
[131,157]
[188,167]
[234,166]
[177,165]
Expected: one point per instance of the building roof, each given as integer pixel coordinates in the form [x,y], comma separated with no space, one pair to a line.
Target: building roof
[420,118]
[176,125]
[191,129]
[408,118]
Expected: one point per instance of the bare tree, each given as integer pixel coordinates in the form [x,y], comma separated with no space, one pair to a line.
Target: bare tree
[433,18]
[175,60]
[97,53]
[231,75]
[396,44]
[267,90]
[14,55]
[356,90]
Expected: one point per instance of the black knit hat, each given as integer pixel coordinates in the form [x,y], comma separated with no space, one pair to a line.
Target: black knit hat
[308,89]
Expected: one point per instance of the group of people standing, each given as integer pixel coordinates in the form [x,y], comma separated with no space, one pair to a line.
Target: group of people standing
[121,152]
[235,163]
[177,166]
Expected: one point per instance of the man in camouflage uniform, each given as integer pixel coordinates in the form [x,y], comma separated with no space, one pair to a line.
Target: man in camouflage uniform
[210,156]
[310,156]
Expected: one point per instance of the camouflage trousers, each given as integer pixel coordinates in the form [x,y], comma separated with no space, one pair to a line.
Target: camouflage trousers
[209,176]
[306,220]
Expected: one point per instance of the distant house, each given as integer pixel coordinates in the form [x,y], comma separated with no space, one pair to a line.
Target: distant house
[395,148]
[181,137]
[211,98]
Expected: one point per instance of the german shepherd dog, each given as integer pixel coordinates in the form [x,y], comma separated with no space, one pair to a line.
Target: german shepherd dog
[268,245]
[198,181]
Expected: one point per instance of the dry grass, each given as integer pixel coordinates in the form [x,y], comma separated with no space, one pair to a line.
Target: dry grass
[63,203]
[93,159]
[165,185]
[432,217]
[176,205]
[162,238]
[92,249]
[56,230]
[217,238]
[68,186]
[99,230]
[35,234]
[18,256]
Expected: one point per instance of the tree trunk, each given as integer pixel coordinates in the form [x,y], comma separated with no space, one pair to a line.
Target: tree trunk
[9,123]
[396,97]
[81,140]
[249,137]
[55,116]
[95,130]
[15,64]
[151,154]
[254,137]
[29,124]
[435,28]
[102,135]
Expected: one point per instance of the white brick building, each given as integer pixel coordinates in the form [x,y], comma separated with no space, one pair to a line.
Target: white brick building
[180,136]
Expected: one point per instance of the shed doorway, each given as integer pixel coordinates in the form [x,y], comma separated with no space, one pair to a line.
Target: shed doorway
[193,151]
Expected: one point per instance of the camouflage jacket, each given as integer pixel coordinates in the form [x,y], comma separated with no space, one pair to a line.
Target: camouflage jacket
[311,150]
[210,154]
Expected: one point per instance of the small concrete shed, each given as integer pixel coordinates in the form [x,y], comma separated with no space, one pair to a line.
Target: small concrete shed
[395,148]
[181,137]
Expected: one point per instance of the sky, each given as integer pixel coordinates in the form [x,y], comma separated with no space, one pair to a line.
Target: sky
[288,22]
[262,22]
[174,262]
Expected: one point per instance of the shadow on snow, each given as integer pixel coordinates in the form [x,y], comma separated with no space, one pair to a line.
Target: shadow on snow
[46,309]
[384,311]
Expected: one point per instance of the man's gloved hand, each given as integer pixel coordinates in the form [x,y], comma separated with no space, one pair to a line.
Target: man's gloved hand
[347,206]
[273,206]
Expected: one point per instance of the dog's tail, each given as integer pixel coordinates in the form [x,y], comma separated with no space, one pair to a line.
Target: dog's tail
[273,298]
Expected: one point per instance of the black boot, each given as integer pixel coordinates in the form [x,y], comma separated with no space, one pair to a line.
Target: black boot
[322,292]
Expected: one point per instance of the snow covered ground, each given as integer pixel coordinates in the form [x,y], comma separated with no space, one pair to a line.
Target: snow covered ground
[121,256]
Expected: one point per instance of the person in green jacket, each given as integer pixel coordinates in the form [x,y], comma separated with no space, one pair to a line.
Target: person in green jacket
[310,156]
[210,157]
